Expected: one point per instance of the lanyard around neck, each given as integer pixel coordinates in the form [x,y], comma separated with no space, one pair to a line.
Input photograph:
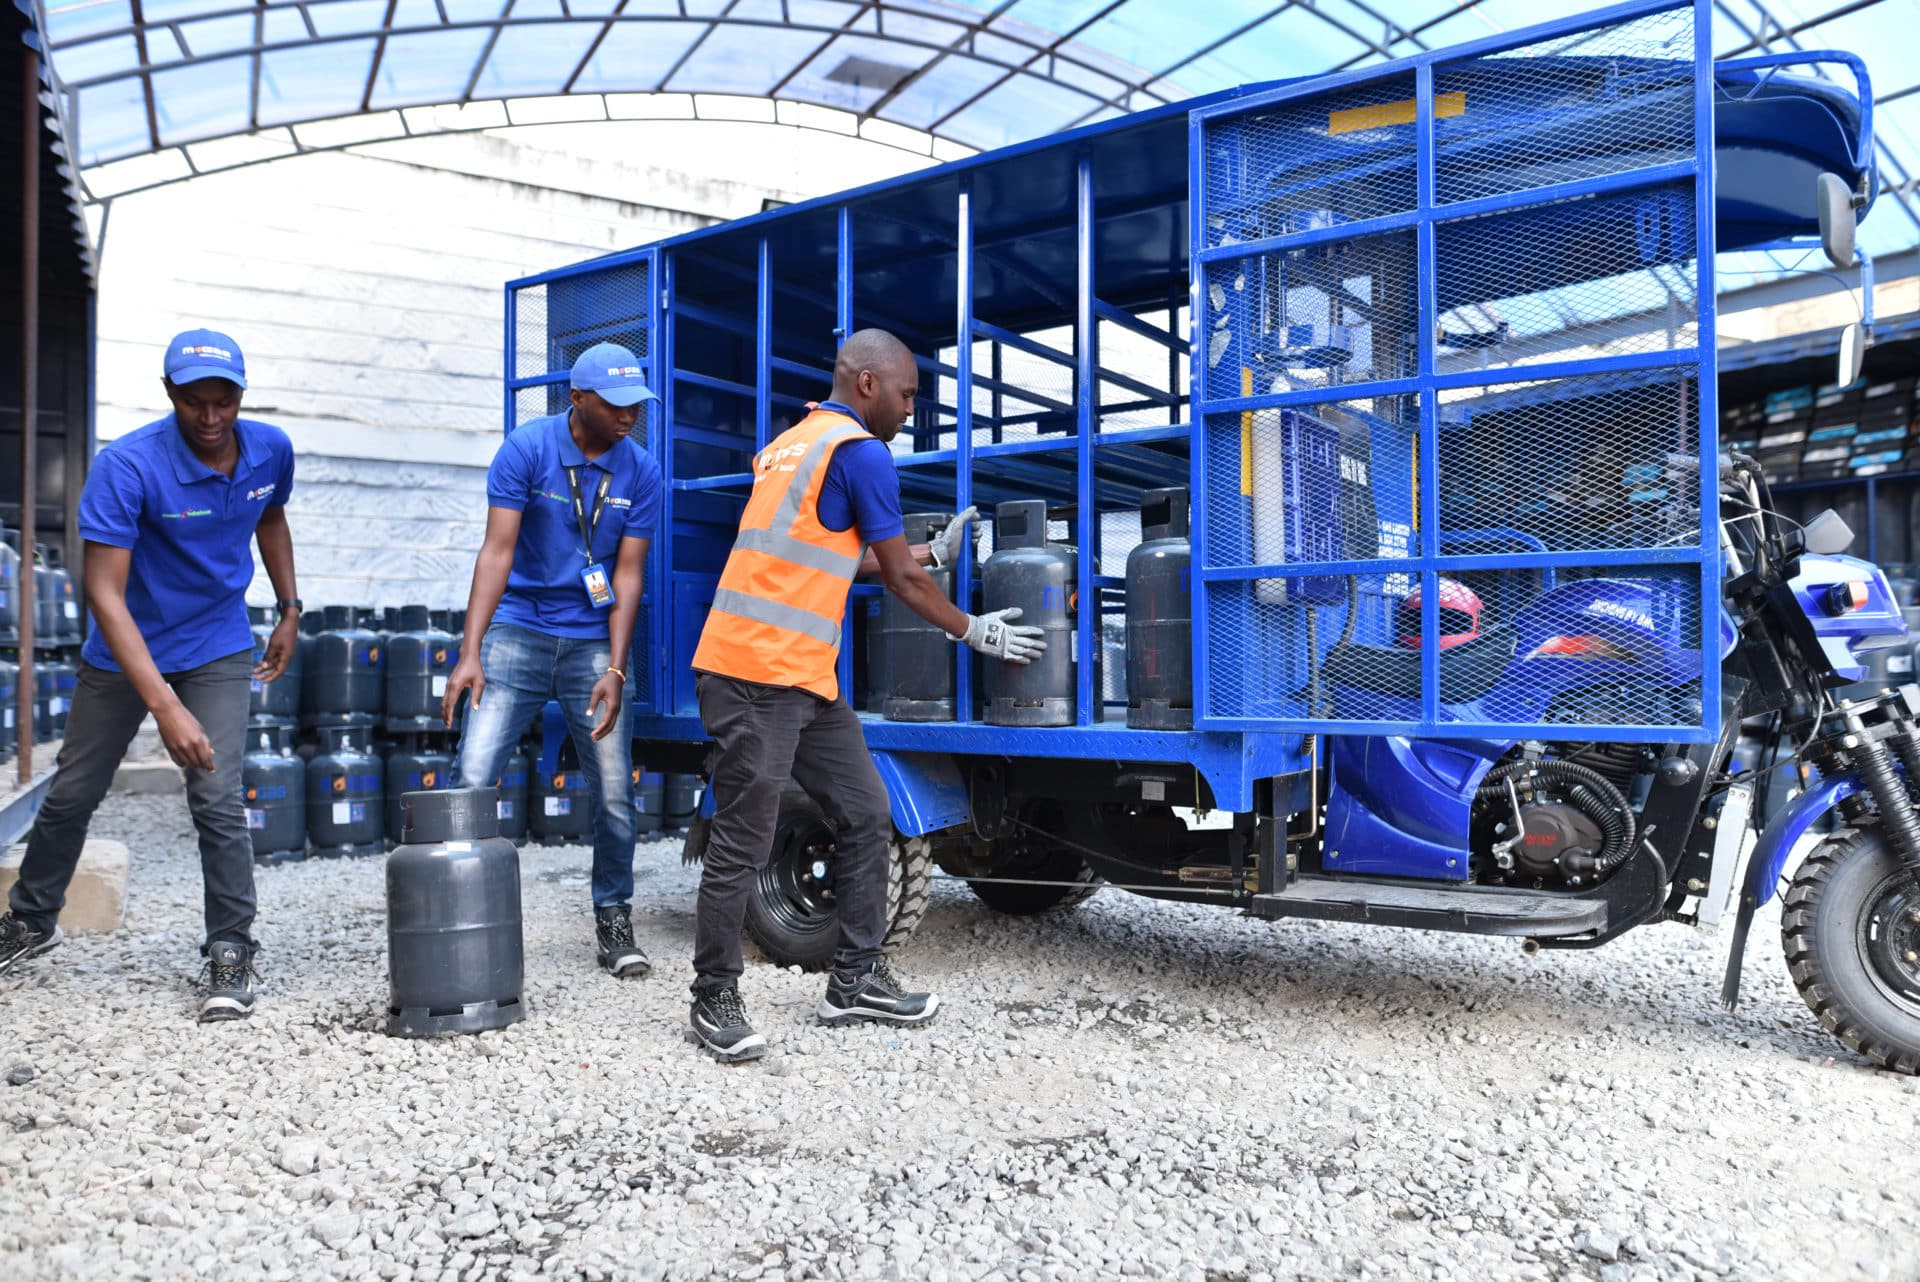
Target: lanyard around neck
[588,525]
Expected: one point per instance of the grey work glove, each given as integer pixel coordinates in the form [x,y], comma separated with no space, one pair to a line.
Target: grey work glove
[993,635]
[950,542]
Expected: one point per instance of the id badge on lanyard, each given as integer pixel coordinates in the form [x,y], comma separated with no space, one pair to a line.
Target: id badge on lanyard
[598,583]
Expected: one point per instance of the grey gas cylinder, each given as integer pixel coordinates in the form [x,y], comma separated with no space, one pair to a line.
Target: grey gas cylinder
[344,814]
[348,668]
[276,701]
[1159,653]
[681,802]
[65,603]
[1040,579]
[9,702]
[274,783]
[42,702]
[420,656]
[917,657]
[512,806]
[560,807]
[66,679]
[9,587]
[456,960]
[649,802]
[411,768]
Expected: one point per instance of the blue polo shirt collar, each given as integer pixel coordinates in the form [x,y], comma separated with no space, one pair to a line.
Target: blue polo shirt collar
[187,469]
[569,450]
[835,407]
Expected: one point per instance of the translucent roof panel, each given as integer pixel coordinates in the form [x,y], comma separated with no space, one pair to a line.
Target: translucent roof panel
[144,77]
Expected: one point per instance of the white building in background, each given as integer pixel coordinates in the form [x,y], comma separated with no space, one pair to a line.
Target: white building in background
[365,287]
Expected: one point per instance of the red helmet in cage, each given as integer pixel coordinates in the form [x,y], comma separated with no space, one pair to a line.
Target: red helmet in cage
[1459,616]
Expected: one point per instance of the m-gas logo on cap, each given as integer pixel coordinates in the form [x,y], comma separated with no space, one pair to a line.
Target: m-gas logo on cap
[625,371]
[205,349]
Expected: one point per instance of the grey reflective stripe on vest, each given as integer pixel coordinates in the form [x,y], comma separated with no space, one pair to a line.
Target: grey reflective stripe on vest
[798,552]
[777,538]
[777,614]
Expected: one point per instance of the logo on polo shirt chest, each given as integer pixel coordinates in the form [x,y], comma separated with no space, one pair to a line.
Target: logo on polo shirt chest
[614,500]
[259,493]
[186,513]
[557,498]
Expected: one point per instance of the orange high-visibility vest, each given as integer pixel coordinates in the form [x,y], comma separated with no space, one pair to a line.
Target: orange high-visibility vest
[777,612]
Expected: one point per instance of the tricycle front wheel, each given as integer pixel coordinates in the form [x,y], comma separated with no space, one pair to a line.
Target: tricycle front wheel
[1851,928]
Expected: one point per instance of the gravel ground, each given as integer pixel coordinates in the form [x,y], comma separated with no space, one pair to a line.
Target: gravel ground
[1139,1088]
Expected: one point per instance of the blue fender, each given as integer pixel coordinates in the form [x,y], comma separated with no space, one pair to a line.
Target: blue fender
[1777,840]
[924,791]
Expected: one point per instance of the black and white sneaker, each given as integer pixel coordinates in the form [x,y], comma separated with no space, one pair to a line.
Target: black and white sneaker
[619,954]
[229,977]
[877,994]
[720,1022]
[19,941]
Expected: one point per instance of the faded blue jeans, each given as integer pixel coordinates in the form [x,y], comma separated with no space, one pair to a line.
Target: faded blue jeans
[524,669]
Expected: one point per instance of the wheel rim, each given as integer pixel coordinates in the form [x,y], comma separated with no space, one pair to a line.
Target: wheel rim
[1888,939]
[796,886]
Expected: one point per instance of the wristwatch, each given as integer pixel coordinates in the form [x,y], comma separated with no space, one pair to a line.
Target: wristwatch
[291,603]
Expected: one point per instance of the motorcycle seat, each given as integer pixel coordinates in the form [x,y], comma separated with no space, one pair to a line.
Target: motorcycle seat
[1467,671]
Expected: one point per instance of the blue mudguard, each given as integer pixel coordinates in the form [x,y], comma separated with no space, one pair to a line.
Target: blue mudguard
[1777,840]
[924,791]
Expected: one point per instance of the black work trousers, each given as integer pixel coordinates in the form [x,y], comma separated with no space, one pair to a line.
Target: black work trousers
[106,714]
[763,736]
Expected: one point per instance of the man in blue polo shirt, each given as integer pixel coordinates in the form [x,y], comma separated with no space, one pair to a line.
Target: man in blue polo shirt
[168,514]
[572,505]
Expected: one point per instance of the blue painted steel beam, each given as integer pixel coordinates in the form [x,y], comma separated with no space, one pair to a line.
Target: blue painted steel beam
[963,495]
[1087,395]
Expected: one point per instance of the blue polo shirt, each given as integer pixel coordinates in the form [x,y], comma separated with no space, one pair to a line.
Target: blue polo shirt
[191,533]
[862,487]
[529,476]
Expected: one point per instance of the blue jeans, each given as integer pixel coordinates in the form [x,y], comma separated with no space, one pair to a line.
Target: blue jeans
[524,669]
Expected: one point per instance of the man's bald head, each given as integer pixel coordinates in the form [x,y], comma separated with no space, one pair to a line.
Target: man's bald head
[875,375]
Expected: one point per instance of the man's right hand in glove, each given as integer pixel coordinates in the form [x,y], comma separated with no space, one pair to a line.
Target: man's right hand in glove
[994,635]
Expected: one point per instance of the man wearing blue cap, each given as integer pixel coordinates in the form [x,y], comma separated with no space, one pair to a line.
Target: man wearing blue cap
[168,514]
[572,505]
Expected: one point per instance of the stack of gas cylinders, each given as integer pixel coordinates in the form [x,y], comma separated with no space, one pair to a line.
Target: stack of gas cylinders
[1143,650]
[353,724]
[56,641]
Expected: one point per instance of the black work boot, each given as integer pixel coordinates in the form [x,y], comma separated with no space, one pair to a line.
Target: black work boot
[619,954]
[19,941]
[875,993]
[229,977]
[720,1021]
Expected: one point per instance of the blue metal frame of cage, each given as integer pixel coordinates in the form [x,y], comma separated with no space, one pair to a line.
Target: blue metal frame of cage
[1423,220]
[1231,754]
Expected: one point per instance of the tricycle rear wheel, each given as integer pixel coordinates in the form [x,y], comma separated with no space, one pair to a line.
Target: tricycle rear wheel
[1851,929]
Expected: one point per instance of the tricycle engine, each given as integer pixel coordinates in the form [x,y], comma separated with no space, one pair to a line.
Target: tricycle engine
[1556,816]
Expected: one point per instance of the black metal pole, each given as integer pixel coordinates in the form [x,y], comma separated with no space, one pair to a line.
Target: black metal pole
[29,391]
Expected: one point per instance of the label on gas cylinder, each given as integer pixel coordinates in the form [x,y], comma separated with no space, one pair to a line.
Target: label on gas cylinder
[56,705]
[259,686]
[349,812]
[1900,663]
[503,809]
[559,805]
[71,609]
[256,819]
[9,718]
[439,686]
[1073,645]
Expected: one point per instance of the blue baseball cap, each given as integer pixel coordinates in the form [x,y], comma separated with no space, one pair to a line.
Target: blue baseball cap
[613,373]
[204,353]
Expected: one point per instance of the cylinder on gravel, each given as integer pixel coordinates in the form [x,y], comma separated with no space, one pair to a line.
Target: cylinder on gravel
[560,807]
[513,785]
[275,785]
[456,960]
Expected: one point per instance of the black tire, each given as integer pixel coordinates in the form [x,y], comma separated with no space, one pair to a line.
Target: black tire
[1850,921]
[1031,858]
[791,913]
